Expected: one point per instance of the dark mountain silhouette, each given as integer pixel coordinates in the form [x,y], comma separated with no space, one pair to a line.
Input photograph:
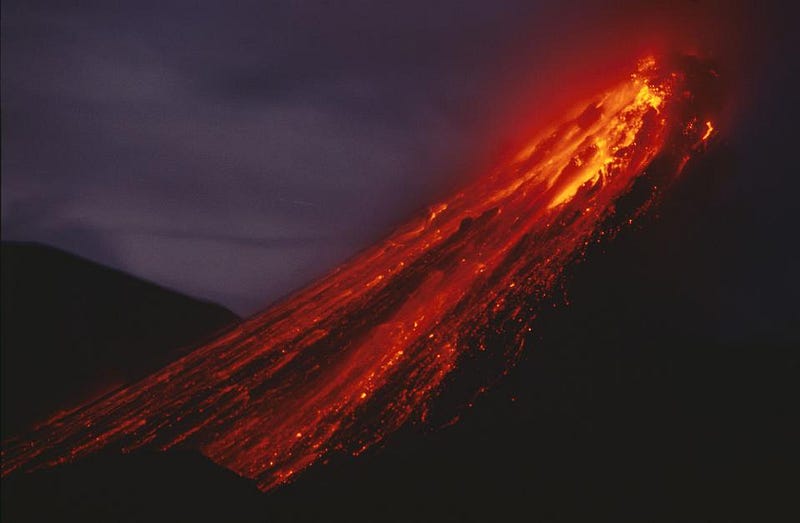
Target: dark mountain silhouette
[150,486]
[73,329]
[625,407]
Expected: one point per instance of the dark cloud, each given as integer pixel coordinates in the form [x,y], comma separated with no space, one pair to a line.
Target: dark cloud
[318,124]
[235,150]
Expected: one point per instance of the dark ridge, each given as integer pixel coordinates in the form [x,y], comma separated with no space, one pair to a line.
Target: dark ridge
[146,486]
[73,330]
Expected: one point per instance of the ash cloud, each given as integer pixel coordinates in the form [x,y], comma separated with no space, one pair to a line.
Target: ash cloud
[235,152]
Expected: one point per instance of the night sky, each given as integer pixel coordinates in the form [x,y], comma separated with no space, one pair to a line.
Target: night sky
[236,152]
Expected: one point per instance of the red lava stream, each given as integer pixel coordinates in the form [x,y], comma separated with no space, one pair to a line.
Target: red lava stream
[354,356]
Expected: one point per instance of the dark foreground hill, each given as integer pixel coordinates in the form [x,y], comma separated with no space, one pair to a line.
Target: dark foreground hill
[73,329]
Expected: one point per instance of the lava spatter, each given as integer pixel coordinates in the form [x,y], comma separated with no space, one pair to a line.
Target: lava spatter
[354,356]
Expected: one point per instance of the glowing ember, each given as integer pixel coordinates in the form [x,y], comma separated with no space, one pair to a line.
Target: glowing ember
[709,131]
[354,356]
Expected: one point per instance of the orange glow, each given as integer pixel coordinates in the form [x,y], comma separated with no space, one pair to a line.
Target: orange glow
[354,356]
[709,131]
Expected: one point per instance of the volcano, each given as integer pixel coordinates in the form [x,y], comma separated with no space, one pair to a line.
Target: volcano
[338,366]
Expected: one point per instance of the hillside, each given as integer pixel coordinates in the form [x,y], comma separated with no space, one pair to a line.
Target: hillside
[73,329]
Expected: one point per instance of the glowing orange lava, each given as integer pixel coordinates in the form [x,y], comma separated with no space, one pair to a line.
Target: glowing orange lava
[709,131]
[354,356]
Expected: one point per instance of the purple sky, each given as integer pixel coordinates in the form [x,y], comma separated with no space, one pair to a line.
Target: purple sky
[236,152]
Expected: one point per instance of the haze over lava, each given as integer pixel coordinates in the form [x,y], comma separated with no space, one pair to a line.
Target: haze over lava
[351,358]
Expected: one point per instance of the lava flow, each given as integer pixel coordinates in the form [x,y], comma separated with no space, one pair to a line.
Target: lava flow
[346,361]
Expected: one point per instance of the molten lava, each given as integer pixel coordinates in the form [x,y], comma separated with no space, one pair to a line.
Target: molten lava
[351,358]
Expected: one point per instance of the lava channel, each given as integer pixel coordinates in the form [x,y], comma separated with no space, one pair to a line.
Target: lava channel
[352,357]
